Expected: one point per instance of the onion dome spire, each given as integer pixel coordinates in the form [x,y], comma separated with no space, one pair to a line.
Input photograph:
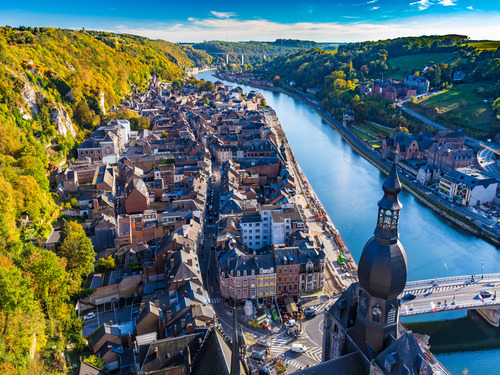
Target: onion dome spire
[382,267]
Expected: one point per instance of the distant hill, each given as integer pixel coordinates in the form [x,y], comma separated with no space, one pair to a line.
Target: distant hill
[279,47]
[337,76]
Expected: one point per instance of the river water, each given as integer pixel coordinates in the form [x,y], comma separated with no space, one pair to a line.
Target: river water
[349,188]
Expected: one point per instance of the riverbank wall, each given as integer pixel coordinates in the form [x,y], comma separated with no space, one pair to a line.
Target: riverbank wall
[453,216]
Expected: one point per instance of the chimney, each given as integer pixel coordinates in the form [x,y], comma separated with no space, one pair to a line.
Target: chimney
[183,323]
[190,328]
[157,303]
[110,322]
[156,352]
[172,263]
[169,315]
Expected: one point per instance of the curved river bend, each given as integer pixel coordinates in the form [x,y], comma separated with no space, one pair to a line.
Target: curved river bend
[349,188]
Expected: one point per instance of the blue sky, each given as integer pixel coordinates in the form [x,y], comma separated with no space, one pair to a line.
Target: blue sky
[319,20]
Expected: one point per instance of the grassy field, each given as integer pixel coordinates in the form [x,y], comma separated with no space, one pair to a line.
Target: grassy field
[401,67]
[362,135]
[486,45]
[379,129]
[460,107]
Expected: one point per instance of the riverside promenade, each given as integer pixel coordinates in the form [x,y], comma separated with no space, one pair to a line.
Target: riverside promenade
[320,225]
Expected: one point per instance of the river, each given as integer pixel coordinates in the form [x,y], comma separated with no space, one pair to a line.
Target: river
[349,188]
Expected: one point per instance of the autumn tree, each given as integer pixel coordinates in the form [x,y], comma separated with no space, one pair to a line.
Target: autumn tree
[78,251]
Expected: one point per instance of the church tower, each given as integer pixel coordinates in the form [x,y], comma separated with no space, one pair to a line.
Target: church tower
[382,274]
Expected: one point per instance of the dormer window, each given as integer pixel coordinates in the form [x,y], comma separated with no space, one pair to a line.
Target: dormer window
[238,273]
[253,272]
[244,273]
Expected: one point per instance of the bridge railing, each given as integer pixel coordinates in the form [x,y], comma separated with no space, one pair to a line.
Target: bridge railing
[450,307]
[453,278]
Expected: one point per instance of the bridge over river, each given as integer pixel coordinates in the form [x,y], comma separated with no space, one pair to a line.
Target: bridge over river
[454,293]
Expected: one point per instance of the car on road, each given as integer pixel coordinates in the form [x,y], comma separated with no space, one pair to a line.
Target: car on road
[264,343]
[409,296]
[258,356]
[89,316]
[290,323]
[485,293]
[310,309]
[311,315]
[299,348]
[263,370]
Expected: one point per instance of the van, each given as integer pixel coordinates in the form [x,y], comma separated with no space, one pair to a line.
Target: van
[299,348]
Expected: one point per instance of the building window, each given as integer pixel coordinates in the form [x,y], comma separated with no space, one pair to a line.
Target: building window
[279,288]
[245,282]
[296,278]
[267,289]
[238,283]
[295,287]
[253,293]
[290,287]
[271,288]
[376,313]
[296,269]
[279,279]
[261,289]
[245,293]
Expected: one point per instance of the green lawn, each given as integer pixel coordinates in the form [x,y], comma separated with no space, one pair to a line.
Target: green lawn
[486,45]
[369,130]
[401,67]
[460,107]
[361,135]
[379,129]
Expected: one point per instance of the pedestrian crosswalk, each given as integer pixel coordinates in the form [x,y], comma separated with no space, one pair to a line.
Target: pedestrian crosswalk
[216,300]
[432,289]
[315,353]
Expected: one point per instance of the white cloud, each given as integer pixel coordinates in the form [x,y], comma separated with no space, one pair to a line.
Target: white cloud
[422,4]
[372,1]
[470,7]
[223,14]
[196,30]
[374,8]
[447,3]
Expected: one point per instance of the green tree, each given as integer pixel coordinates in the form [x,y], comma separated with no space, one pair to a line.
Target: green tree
[78,251]
[105,264]
[95,361]
[51,282]
[83,115]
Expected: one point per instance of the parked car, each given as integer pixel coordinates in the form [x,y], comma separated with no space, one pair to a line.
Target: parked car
[309,309]
[258,356]
[290,323]
[89,316]
[485,293]
[263,370]
[264,343]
